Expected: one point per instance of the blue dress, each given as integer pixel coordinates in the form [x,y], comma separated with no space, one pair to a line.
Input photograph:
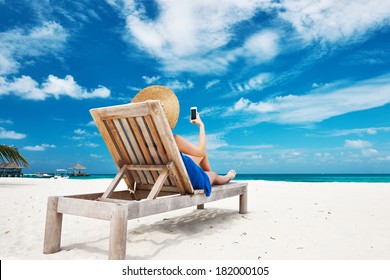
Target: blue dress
[198,177]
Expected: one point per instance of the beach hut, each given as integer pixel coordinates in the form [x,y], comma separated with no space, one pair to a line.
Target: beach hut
[77,170]
[10,169]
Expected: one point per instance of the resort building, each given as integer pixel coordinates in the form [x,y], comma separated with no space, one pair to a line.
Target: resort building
[10,169]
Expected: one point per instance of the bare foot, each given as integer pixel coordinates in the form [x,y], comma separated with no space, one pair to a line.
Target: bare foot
[232,174]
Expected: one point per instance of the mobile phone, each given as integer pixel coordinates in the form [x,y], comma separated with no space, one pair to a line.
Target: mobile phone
[193,113]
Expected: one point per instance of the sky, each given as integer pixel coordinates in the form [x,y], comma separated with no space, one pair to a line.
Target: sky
[282,86]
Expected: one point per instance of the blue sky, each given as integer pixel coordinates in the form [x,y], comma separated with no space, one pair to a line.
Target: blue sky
[282,86]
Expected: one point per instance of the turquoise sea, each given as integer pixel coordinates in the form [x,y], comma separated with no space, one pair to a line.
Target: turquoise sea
[370,178]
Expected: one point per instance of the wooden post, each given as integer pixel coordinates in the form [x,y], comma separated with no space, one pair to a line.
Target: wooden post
[118,233]
[200,206]
[243,208]
[52,239]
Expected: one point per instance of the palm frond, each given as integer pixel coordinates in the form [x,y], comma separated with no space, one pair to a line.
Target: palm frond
[10,154]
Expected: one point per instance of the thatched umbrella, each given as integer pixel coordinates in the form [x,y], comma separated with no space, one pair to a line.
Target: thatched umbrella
[78,166]
[10,168]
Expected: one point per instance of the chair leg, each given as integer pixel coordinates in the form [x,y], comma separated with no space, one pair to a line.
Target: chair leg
[243,208]
[52,239]
[118,233]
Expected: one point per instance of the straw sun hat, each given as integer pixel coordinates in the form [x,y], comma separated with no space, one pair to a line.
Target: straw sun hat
[168,100]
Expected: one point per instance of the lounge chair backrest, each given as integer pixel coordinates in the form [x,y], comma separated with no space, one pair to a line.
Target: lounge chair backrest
[141,143]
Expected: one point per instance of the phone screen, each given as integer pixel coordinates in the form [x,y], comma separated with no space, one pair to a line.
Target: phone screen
[193,113]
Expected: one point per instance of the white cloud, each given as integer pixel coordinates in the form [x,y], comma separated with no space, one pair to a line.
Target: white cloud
[319,104]
[357,144]
[6,121]
[39,148]
[360,131]
[190,35]
[91,145]
[369,152]
[150,80]
[251,147]
[212,83]
[80,131]
[386,158]
[82,134]
[255,83]
[68,87]
[322,155]
[27,88]
[241,104]
[95,156]
[214,140]
[288,155]
[177,85]
[9,134]
[77,138]
[262,46]
[7,63]
[334,20]
[255,157]
[46,39]
[91,123]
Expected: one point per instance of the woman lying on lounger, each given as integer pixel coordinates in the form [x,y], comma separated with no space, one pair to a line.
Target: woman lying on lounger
[194,157]
[196,160]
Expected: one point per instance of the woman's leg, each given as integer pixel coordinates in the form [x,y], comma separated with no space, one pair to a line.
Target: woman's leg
[203,162]
[216,179]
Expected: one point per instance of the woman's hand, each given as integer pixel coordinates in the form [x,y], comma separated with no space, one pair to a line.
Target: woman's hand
[197,121]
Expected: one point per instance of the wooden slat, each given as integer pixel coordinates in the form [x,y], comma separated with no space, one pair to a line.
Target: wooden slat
[131,139]
[149,150]
[158,185]
[142,151]
[141,194]
[125,132]
[174,176]
[157,114]
[161,156]
[166,188]
[164,204]
[148,139]
[116,143]
[122,111]
[156,139]
[147,167]
[85,208]
[103,129]
[114,182]
[116,133]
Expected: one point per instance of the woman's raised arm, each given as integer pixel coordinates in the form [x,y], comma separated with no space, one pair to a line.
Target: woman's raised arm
[189,148]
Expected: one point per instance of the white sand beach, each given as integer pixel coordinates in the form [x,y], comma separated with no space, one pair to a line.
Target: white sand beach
[286,221]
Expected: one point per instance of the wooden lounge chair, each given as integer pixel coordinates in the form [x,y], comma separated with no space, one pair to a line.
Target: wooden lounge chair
[141,143]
